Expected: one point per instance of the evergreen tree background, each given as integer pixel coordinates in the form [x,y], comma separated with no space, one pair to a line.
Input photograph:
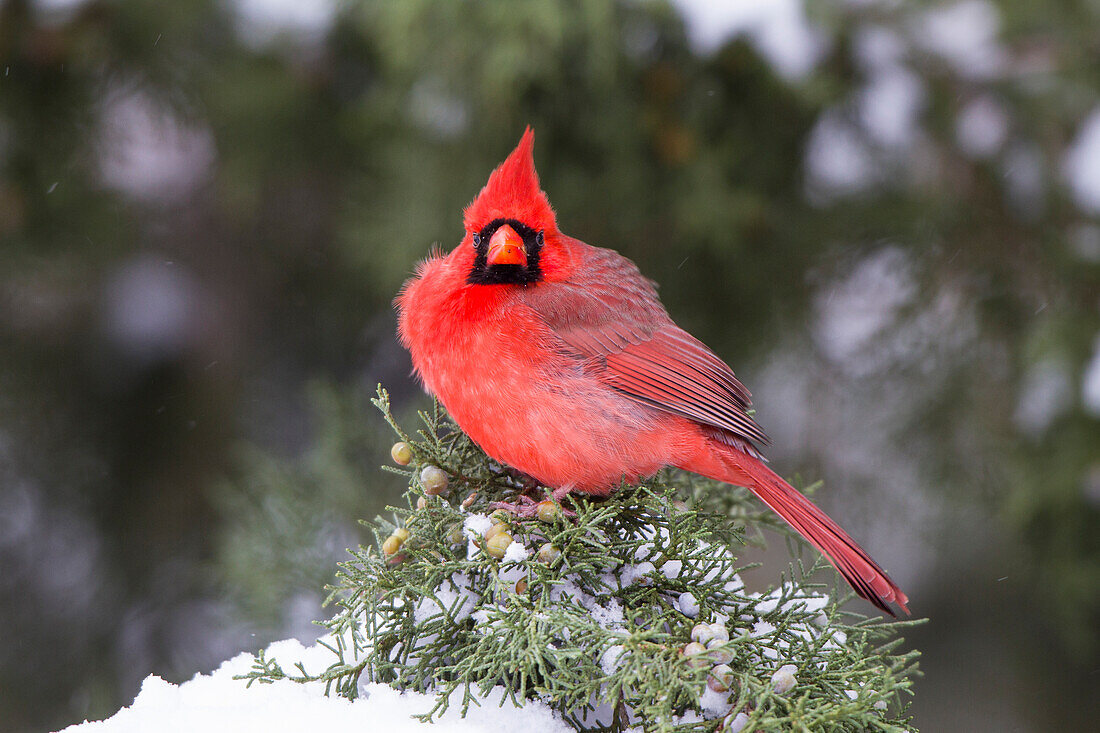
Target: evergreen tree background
[206,208]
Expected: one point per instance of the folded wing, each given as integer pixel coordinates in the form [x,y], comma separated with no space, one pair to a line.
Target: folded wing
[609,315]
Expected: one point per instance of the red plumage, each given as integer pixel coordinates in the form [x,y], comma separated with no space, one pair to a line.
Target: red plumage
[569,369]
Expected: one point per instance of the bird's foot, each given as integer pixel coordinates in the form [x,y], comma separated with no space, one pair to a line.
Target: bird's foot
[524,506]
[527,507]
[560,493]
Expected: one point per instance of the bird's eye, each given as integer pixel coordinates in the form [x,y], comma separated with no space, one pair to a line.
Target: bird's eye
[539,239]
[477,239]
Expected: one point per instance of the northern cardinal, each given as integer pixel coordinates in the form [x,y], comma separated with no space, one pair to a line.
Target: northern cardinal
[558,359]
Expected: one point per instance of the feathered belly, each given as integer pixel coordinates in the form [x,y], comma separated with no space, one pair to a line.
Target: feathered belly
[541,413]
[588,444]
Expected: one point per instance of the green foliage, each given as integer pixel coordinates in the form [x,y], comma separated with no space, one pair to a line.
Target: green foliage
[597,629]
[291,516]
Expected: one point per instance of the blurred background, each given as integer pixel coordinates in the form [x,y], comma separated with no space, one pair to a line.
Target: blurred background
[884,215]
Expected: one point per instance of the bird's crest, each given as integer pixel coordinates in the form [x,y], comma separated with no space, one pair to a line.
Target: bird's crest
[513,192]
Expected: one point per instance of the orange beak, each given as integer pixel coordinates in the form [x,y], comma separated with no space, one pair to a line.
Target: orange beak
[506,247]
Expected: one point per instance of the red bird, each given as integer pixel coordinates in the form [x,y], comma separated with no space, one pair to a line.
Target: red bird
[558,359]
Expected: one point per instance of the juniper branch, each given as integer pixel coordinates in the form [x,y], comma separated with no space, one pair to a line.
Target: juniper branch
[598,627]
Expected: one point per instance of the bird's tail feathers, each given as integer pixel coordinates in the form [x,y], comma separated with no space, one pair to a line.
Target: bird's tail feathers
[864,575]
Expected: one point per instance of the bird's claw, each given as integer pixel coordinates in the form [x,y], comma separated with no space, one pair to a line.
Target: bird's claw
[527,507]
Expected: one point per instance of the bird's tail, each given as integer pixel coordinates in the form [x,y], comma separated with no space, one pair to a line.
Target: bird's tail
[852,561]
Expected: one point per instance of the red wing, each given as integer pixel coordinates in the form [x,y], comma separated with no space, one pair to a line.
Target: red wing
[670,370]
[613,319]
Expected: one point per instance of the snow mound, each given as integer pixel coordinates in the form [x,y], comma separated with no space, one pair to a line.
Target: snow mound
[217,703]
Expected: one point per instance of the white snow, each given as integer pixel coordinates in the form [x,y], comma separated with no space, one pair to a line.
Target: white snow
[609,660]
[762,628]
[216,703]
[515,552]
[476,525]
[672,569]
[609,616]
[631,574]
[779,29]
[458,597]
[714,704]
[1081,164]
[776,645]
